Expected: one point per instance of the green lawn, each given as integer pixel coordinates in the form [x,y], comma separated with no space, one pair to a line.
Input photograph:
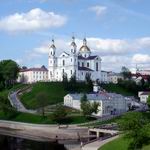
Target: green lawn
[32,118]
[117,89]
[119,144]
[99,122]
[55,92]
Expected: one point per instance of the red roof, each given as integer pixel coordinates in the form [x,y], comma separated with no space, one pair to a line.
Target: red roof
[145,93]
[140,75]
[34,69]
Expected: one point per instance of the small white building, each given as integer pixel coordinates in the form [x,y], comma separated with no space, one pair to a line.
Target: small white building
[109,103]
[104,77]
[143,96]
[114,77]
[33,75]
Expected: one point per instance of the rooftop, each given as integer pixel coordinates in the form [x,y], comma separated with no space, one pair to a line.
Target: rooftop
[98,96]
[87,58]
[145,93]
[43,68]
[84,68]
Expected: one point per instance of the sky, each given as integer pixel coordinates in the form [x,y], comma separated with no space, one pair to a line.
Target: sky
[117,30]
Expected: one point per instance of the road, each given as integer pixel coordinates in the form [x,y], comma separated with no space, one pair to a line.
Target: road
[99,143]
[16,103]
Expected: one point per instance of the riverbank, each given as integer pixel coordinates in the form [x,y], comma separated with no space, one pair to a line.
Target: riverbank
[42,132]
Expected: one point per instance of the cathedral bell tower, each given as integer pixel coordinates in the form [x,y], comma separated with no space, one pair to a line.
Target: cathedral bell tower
[73,46]
[52,49]
[52,62]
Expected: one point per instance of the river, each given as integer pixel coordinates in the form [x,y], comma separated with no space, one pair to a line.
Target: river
[13,143]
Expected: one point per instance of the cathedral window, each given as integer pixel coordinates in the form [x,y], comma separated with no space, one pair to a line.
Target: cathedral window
[87,64]
[82,73]
[71,59]
[71,72]
[63,71]
[63,62]
[97,66]
[82,64]
[78,63]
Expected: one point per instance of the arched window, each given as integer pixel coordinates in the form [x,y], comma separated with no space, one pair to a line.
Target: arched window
[63,62]
[97,66]
[78,63]
[87,64]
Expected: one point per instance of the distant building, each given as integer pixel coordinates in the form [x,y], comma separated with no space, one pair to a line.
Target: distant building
[137,77]
[32,75]
[109,103]
[104,77]
[78,63]
[143,72]
[143,95]
[114,77]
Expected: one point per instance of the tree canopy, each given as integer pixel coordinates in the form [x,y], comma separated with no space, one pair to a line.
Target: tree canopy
[8,73]
[126,72]
[42,101]
[136,127]
[88,107]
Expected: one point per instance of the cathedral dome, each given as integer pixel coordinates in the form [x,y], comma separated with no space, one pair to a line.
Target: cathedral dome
[84,47]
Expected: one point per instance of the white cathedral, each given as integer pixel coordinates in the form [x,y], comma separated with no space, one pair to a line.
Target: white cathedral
[78,63]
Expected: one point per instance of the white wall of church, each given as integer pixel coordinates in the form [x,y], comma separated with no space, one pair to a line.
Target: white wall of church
[71,64]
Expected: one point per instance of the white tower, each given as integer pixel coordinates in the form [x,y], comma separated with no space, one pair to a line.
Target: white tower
[73,46]
[52,61]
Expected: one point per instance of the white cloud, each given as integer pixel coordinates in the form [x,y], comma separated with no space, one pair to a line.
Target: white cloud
[115,53]
[33,20]
[104,47]
[99,10]
[141,58]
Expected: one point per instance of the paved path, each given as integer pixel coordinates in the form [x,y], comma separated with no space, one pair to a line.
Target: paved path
[16,103]
[97,144]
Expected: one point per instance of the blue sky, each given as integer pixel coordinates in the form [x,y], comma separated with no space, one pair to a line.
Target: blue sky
[117,30]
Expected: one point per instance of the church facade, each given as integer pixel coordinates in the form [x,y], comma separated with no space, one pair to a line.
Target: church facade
[78,63]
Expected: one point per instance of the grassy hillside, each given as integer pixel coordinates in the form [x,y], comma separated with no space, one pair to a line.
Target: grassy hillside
[119,144]
[55,92]
[117,89]
[33,118]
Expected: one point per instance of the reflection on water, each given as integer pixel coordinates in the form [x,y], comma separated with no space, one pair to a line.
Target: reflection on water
[12,143]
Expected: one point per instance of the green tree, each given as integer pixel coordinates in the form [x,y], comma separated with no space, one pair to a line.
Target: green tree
[87,107]
[60,113]
[72,83]
[148,101]
[126,73]
[8,72]
[95,106]
[137,128]
[42,101]
[65,81]
[5,106]
[89,82]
